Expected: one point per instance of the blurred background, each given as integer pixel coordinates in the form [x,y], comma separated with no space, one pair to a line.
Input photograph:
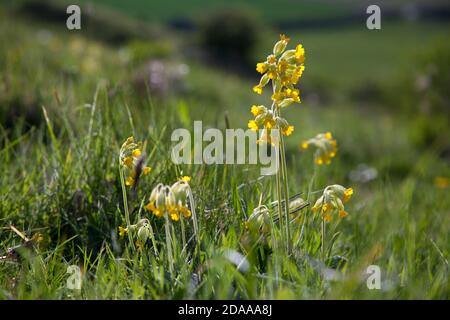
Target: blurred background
[383,93]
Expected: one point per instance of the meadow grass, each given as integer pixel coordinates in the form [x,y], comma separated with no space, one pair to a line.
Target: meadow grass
[60,178]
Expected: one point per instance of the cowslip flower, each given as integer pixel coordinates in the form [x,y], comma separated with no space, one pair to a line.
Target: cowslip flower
[142,229]
[132,161]
[170,200]
[332,200]
[265,119]
[284,69]
[326,147]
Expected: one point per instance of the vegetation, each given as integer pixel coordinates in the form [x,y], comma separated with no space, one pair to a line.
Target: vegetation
[68,103]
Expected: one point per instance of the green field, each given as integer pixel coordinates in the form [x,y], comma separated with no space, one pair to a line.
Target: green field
[67,103]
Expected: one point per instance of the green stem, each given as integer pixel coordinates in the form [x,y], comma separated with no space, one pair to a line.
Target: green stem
[125,206]
[323,239]
[183,234]
[169,244]
[280,210]
[286,192]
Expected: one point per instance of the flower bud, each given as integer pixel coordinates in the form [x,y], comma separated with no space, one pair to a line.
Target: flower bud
[279,47]
[143,233]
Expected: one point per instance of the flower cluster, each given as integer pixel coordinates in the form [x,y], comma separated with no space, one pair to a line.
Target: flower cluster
[170,200]
[284,68]
[326,147]
[142,229]
[265,119]
[132,161]
[332,200]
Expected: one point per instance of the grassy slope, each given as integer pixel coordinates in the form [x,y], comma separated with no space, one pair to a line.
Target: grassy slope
[69,186]
[267,9]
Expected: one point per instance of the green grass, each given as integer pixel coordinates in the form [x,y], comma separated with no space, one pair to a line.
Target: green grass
[60,178]
[266,9]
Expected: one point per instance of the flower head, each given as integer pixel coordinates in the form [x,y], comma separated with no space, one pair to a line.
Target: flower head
[326,147]
[332,201]
[170,200]
[284,69]
[132,161]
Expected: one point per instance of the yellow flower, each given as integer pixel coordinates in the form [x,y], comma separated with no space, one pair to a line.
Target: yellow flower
[300,54]
[269,123]
[288,131]
[272,74]
[343,214]
[261,67]
[129,181]
[294,94]
[185,211]
[129,152]
[173,214]
[146,170]
[185,178]
[326,148]
[332,201]
[128,161]
[305,145]
[122,231]
[326,207]
[136,153]
[277,96]
[257,110]
[441,182]
[347,195]
[253,125]
[257,89]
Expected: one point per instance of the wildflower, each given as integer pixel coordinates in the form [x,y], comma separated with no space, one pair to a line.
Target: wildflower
[257,89]
[300,54]
[170,200]
[326,147]
[261,67]
[441,182]
[131,160]
[257,110]
[284,126]
[253,125]
[122,231]
[288,130]
[185,178]
[332,200]
[284,68]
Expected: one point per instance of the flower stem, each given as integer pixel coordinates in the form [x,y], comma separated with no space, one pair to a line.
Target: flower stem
[286,192]
[125,206]
[323,239]
[169,244]
[279,196]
